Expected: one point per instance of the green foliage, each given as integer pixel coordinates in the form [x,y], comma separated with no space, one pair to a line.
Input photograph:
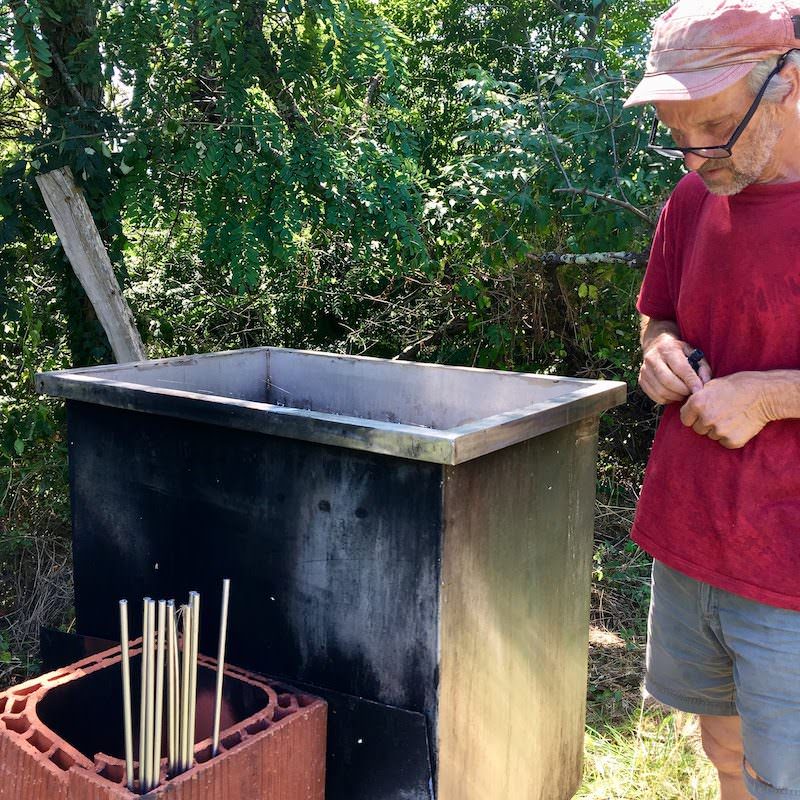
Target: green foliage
[373,177]
[355,143]
[32,451]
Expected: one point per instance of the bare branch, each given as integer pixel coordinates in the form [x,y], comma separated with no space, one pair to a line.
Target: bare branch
[68,81]
[373,89]
[372,92]
[608,199]
[9,72]
[633,260]
[547,131]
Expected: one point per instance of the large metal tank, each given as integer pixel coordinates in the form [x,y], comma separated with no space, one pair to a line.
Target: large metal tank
[415,535]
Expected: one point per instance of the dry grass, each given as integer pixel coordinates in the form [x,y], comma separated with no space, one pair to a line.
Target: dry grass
[634,750]
[35,577]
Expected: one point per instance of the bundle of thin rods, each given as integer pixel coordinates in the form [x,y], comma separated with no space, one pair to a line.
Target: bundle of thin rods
[166,653]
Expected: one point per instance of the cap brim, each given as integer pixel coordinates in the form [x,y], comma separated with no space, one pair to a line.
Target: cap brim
[687,85]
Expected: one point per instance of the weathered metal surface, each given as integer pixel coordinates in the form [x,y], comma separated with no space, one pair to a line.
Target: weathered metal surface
[516,567]
[444,415]
[360,562]
[333,553]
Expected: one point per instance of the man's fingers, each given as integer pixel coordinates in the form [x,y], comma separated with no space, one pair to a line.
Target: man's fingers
[667,376]
[689,414]
[680,365]
[703,368]
[671,397]
[701,428]
[656,392]
[669,380]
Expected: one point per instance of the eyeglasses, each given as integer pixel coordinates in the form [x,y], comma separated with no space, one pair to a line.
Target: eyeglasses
[723,150]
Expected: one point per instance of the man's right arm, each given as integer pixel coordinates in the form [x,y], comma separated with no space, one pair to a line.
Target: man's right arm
[666,375]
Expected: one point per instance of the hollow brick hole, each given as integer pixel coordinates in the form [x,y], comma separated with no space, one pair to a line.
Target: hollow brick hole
[62,760]
[203,755]
[284,700]
[40,741]
[27,690]
[282,713]
[17,724]
[18,705]
[305,700]
[229,742]
[257,726]
[113,772]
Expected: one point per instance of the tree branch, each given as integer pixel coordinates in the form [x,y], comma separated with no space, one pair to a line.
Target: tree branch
[268,75]
[608,199]
[633,260]
[372,90]
[546,127]
[12,76]
[68,82]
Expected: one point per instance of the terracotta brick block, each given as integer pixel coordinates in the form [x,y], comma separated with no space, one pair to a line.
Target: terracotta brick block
[53,731]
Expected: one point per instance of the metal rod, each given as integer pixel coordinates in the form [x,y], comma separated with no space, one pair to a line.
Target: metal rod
[177,694]
[194,603]
[184,714]
[223,633]
[126,693]
[172,686]
[157,726]
[143,703]
[151,674]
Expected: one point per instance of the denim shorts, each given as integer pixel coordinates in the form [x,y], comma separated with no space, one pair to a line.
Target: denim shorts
[713,652]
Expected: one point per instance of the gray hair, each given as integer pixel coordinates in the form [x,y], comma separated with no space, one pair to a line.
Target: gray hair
[778,87]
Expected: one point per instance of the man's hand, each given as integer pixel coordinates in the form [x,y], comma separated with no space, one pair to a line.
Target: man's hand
[666,375]
[730,410]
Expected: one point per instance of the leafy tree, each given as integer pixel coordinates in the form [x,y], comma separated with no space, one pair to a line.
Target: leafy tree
[393,177]
[385,177]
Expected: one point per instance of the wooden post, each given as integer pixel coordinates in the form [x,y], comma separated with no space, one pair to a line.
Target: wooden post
[84,248]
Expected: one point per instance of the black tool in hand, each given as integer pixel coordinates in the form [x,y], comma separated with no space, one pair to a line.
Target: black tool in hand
[694,358]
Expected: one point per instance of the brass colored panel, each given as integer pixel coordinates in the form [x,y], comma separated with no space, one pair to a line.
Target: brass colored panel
[516,570]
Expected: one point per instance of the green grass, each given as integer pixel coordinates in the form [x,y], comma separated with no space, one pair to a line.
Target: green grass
[654,755]
[631,751]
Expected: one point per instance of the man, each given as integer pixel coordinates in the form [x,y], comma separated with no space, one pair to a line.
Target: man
[720,304]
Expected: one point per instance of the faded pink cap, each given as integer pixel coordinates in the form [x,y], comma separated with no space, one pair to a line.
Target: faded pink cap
[701,47]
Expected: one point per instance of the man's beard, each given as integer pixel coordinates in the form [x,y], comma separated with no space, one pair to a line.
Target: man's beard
[751,163]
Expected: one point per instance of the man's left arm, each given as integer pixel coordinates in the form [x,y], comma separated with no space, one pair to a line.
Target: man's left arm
[734,409]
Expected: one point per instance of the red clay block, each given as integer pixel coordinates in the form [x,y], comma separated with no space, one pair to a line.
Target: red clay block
[277,752]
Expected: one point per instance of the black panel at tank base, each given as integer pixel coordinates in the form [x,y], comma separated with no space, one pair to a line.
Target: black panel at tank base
[375,752]
[58,649]
[333,553]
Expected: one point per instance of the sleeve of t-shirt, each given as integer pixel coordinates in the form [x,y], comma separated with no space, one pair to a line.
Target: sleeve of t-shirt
[655,298]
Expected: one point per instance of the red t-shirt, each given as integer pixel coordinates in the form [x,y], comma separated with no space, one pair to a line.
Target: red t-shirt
[727,271]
